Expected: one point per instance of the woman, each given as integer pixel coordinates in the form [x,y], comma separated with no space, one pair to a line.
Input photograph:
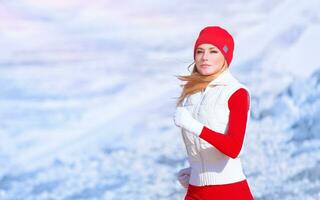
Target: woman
[212,112]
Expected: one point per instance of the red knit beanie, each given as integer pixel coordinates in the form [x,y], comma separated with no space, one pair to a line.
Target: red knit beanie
[218,37]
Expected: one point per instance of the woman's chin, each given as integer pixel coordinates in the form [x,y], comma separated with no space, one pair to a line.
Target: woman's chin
[205,73]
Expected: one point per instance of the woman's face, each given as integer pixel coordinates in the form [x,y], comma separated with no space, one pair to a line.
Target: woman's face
[208,59]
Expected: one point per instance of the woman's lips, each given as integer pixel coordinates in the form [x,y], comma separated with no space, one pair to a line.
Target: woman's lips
[204,65]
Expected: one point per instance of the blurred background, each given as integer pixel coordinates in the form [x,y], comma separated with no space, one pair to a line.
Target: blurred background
[88,93]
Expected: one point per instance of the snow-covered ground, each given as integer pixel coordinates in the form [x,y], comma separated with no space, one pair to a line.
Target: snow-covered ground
[88,92]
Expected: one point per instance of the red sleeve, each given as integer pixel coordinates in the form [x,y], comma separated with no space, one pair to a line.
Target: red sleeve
[231,142]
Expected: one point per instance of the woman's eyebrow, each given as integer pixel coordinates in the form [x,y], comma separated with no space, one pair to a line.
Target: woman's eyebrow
[209,48]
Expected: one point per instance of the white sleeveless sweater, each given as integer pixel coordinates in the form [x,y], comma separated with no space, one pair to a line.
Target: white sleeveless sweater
[208,165]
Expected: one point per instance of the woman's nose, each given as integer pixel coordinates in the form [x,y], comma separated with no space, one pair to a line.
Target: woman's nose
[205,56]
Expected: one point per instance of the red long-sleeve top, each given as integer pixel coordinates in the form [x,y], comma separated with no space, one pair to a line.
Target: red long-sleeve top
[231,142]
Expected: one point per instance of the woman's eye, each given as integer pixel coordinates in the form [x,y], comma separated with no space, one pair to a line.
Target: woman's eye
[213,51]
[199,52]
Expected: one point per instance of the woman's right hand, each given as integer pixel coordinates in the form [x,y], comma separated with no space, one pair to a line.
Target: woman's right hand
[184,176]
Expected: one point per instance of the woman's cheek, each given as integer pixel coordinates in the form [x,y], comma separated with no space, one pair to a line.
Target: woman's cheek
[217,60]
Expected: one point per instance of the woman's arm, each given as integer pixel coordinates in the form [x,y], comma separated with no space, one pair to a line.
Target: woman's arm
[231,142]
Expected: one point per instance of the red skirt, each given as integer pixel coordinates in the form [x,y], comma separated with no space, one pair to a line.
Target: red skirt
[232,191]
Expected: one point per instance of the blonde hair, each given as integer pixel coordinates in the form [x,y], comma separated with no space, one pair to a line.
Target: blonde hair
[195,82]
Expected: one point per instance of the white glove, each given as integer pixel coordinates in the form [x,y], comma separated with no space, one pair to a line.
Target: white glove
[184,176]
[184,119]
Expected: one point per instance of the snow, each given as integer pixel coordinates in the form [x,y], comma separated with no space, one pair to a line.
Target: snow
[89,90]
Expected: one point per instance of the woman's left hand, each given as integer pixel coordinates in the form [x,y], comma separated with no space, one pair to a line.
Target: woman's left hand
[184,119]
[184,176]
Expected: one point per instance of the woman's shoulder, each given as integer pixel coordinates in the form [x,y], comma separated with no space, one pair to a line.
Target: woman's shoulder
[239,99]
[231,89]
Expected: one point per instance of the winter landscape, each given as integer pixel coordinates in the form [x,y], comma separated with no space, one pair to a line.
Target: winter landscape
[88,93]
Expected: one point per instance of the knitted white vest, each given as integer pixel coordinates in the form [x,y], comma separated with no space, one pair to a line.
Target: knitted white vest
[208,165]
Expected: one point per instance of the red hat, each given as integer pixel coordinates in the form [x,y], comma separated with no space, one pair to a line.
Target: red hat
[218,37]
